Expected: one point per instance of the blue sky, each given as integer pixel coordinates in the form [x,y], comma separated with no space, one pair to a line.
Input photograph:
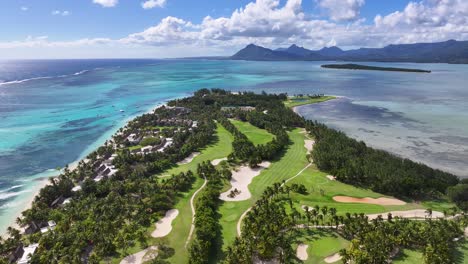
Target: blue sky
[174,28]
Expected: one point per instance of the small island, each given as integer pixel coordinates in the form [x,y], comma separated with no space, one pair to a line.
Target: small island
[351,66]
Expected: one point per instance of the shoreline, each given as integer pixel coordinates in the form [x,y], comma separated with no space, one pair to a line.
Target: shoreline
[294,108]
[445,168]
[43,181]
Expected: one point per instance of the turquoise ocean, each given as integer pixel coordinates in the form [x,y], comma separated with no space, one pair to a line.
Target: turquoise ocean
[53,113]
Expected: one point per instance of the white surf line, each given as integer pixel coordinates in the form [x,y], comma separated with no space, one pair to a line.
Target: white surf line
[192,227]
[239,223]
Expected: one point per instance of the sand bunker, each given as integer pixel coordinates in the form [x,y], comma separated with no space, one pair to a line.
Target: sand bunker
[333,258]
[141,256]
[418,213]
[240,181]
[217,161]
[331,178]
[301,252]
[368,200]
[164,226]
[309,144]
[188,159]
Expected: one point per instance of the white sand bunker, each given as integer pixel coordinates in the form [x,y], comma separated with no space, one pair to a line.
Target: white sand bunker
[188,159]
[368,200]
[333,258]
[309,144]
[418,213]
[141,257]
[301,252]
[240,182]
[164,226]
[217,161]
[331,178]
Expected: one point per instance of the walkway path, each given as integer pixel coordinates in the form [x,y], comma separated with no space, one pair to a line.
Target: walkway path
[239,223]
[193,212]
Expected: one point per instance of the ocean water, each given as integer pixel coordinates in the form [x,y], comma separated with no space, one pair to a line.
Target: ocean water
[53,113]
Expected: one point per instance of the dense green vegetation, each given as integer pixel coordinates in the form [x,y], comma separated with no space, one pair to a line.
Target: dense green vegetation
[459,195]
[370,68]
[291,201]
[254,134]
[354,163]
[207,227]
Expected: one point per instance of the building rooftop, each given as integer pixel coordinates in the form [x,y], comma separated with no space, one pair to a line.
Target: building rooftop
[28,252]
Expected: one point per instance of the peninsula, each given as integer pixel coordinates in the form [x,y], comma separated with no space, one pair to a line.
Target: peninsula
[221,177]
[351,66]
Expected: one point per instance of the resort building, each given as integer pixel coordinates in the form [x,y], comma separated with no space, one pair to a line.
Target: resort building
[27,253]
[133,139]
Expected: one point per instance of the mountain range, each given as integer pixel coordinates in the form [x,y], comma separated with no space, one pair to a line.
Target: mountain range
[450,51]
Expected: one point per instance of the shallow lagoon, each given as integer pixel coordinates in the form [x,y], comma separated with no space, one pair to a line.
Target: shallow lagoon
[50,122]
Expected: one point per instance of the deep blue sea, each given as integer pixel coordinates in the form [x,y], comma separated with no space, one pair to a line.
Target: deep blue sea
[53,113]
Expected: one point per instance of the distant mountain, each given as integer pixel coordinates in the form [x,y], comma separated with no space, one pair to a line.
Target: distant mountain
[254,52]
[451,51]
[294,49]
[331,52]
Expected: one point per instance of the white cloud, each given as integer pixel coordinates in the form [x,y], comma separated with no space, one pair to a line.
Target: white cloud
[342,10]
[106,3]
[274,23]
[24,8]
[153,3]
[60,13]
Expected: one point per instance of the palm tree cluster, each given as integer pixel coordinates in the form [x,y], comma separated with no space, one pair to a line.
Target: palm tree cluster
[379,240]
[207,227]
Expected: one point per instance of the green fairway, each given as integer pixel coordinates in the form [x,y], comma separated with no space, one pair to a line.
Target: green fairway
[322,243]
[254,134]
[181,225]
[461,253]
[321,191]
[297,101]
[221,147]
[293,160]
[407,256]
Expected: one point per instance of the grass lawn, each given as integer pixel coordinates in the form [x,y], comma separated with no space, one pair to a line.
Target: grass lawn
[254,134]
[322,243]
[297,101]
[181,225]
[293,160]
[461,254]
[315,181]
[408,257]
[135,147]
[220,149]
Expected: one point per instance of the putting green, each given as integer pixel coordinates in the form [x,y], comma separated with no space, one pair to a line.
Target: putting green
[407,256]
[322,243]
